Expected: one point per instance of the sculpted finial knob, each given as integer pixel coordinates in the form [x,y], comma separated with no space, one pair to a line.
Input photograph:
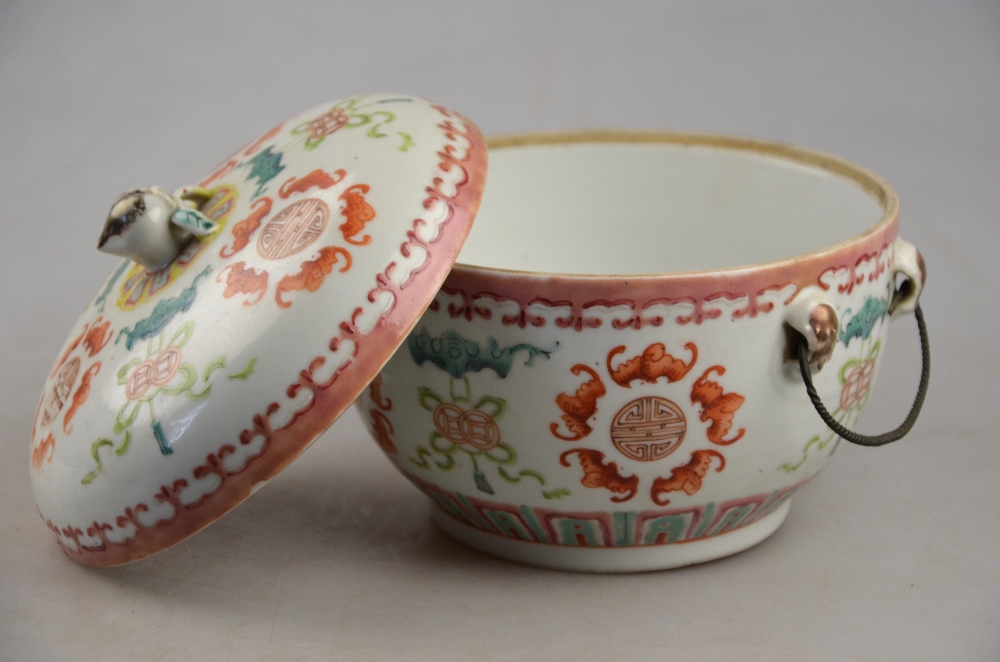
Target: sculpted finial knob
[151,226]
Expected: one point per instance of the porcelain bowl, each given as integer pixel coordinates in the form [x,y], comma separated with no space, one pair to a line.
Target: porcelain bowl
[605,381]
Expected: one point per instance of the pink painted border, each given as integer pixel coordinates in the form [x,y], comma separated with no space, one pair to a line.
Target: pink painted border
[331,399]
[581,292]
[764,504]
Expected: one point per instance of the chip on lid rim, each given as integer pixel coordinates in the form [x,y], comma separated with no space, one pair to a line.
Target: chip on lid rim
[181,392]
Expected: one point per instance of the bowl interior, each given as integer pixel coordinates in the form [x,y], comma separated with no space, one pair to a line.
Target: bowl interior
[594,204]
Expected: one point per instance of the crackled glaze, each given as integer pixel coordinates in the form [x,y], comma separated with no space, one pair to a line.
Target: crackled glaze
[182,391]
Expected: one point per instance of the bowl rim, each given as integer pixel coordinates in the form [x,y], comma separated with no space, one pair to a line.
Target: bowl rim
[867,180]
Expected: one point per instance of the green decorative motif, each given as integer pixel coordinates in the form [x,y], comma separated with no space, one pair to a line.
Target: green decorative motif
[458,356]
[245,373]
[855,375]
[621,528]
[465,427]
[264,166]
[861,325]
[351,114]
[162,314]
[161,373]
[855,378]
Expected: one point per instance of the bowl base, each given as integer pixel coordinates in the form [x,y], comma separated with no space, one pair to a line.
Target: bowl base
[614,559]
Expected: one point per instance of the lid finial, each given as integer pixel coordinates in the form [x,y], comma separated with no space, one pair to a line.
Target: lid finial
[151,226]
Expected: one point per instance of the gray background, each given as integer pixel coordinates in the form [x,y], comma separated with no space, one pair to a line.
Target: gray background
[891,554]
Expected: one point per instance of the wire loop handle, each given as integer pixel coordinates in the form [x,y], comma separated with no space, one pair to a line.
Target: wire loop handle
[911,418]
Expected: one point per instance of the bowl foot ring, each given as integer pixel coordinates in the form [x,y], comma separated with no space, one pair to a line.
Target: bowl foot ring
[614,559]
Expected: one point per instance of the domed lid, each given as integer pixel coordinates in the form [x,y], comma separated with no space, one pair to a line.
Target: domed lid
[259,305]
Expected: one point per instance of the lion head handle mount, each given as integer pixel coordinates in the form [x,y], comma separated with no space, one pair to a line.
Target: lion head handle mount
[813,316]
[151,226]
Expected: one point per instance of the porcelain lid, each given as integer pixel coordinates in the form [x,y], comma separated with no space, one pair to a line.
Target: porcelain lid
[181,392]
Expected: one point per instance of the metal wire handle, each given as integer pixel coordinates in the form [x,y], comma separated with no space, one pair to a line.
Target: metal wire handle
[911,418]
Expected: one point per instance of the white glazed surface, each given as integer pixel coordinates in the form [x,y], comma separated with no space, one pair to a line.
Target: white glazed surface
[179,393]
[639,208]
[527,480]
[885,556]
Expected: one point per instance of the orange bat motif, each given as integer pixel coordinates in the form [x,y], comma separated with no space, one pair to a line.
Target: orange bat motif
[652,364]
[687,477]
[357,212]
[375,392]
[311,276]
[43,452]
[580,407]
[598,474]
[81,395]
[241,279]
[97,337]
[316,178]
[717,407]
[69,350]
[243,231]
[382,427]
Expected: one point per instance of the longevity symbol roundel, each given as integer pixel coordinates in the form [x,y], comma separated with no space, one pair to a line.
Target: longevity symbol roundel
[294,228]
[648,428]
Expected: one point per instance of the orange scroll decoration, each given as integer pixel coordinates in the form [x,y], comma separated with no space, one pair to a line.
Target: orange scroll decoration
[597,473]
[652,364]
[312,274]
[317,178]
[241,279]
[717,406]
[687,477]
[578,408]
[243,231]
[357,212]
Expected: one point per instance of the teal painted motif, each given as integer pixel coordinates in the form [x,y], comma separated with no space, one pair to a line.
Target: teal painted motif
[164,311]
[264,166]
[99,301]
[861,325]
[600,529]
[458,356]
[194,222]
